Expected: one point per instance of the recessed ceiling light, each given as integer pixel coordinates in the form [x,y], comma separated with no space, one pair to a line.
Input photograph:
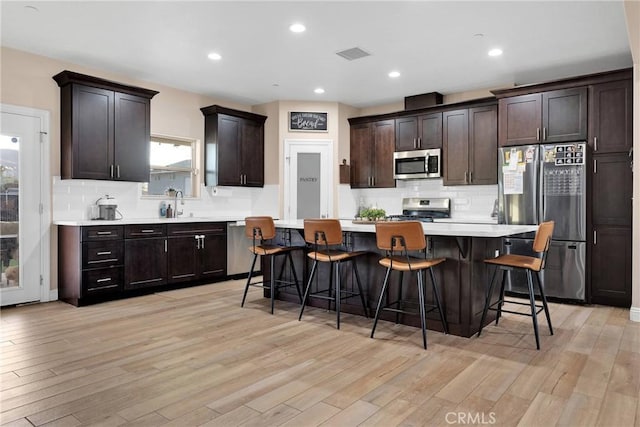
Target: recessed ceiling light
[297,28]
[495,52]
[318,90]
[394,74]
[32,8]
[214,56]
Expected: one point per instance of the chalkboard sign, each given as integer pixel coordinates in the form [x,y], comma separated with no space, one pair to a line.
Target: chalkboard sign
[308,122]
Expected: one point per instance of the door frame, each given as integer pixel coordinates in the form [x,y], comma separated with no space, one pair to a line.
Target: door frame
[321,145]
[46,293]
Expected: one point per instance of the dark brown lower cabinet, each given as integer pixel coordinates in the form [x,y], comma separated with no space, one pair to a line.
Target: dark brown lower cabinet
[98,263]
[611,266]
[196,251]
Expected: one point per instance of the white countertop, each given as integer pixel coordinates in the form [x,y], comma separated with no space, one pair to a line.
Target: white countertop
[126,221]
[434,228]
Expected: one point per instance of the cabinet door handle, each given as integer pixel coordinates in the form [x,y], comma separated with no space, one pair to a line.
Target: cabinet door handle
[595,237]
[202,237]
[415,143]
[197,237]
[544,134]
[466,177]
[419,142]
[117,171]
[595,166]
[470,177]
[111,171]
[537,134]
[165,245]
[104,253]
[595,143]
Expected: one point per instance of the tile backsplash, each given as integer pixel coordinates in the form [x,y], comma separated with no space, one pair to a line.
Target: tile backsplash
[470,202]
[72,199]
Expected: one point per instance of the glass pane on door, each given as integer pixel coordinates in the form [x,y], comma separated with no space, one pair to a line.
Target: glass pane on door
[308,185]
[9,210]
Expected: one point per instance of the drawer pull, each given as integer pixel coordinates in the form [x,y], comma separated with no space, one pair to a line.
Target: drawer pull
[97,288]
[147,231]
[104,253]
[106,279]
[103,233]
[103,260]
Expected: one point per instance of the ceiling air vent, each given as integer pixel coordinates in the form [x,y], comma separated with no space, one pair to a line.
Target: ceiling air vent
[353,53]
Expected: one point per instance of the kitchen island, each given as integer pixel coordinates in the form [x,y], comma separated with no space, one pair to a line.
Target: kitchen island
[462,278]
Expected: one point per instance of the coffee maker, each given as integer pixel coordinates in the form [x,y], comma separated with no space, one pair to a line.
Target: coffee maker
[107,208]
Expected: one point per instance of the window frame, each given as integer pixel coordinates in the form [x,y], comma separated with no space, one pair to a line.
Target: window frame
[194,170]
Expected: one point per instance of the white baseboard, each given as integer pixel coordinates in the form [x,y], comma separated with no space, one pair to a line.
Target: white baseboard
[634,314]
[53,295]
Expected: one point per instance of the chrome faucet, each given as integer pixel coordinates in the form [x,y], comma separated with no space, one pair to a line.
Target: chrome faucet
[175,204]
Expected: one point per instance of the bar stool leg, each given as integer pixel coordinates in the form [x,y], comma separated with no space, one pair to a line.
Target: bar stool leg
[437,296]
[501,300]
[295,276]
[273,281]
[423,319]
[532,300]
[382,293]
[330,286]
[398,306]
[338,293]
[365,306]
[487,300]
[544,302]
[306,291]
[246,288]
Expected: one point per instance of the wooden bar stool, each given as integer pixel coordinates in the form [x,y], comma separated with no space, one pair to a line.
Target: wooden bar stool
[325,236]
[530,264]
[262,231]
[399,240]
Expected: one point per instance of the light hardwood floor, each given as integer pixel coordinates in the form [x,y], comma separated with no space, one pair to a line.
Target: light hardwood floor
[194,357]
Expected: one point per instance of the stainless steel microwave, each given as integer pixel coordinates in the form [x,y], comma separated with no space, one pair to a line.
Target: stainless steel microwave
[417,164]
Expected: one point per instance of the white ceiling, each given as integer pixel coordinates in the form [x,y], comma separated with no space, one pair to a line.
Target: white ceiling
[433,44]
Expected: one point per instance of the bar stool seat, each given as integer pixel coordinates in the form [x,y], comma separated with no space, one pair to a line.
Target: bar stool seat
[262,231]
[400,240]
[325,237]
[529,264]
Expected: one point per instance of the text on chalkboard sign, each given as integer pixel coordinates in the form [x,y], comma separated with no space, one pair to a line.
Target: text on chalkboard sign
[307,121]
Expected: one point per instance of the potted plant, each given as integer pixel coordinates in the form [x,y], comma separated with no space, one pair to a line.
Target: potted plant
[373,214]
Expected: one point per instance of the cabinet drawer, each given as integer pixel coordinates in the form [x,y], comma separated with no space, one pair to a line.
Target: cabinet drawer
[197,228]
[101,281]
[106,232]
[144,230]
[101,254]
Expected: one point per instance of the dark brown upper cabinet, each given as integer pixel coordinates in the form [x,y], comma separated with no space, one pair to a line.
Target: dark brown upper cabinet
[104,129]
[546,117]
[419,132]
[611,117]
[234,147]
[371,152]
[470,146]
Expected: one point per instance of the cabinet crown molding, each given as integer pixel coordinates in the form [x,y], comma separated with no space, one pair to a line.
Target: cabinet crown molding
[67,77]
[218,109]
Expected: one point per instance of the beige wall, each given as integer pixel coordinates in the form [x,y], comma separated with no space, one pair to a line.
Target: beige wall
[632,12]
[271,141]
[26,81]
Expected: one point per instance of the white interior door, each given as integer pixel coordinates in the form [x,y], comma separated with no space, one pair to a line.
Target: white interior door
[24,232]
[308,191]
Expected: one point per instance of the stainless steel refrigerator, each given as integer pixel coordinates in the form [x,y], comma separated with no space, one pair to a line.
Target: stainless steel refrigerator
[538,183]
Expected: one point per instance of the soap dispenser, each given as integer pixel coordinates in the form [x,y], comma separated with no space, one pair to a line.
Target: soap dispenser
[169,211]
